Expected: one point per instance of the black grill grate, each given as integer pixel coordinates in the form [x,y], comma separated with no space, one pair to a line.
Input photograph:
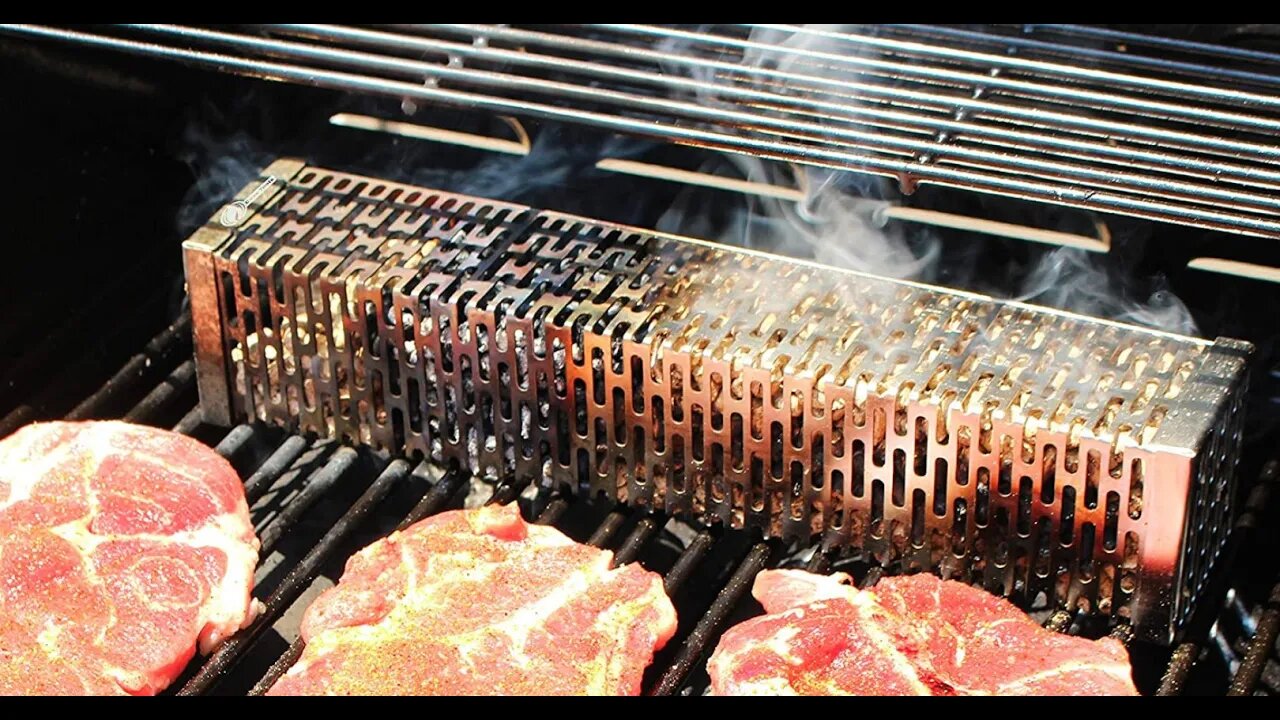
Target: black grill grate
[313,503]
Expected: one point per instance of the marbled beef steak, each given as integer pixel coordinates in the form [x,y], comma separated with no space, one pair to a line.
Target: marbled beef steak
[913,635]
[122,548]
[478,602]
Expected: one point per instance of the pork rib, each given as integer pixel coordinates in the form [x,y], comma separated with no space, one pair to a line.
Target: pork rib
[477,602]
[122,548]
[913,635]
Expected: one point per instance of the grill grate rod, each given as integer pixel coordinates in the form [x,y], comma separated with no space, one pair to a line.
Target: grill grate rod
[1168,203]
[1264,638]
[189,422]
[1134,62]
[687,562]
[1123,633]
[707,630]
[279,667]
[435,499]
[279,461]
[635,541]
[872,577]
[1181,662]
[819,563]
[552,513]
[235,442]
[607,528]
[889,108]
[337,467]
[180,382]
[1133,41]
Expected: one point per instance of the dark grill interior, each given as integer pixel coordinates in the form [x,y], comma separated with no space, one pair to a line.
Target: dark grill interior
[95,326]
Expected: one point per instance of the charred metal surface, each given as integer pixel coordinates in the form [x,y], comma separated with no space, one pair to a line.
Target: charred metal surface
[1030,450]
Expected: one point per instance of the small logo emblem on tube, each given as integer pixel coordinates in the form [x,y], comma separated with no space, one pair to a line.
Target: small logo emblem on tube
[235,213]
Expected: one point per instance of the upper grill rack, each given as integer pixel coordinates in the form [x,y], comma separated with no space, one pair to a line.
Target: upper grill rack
[1190,140]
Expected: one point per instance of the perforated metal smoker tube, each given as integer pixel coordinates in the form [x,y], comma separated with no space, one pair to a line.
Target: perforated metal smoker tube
[1030,449]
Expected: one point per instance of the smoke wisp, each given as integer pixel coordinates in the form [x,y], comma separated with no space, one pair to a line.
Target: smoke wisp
[841,218]
[1070,279]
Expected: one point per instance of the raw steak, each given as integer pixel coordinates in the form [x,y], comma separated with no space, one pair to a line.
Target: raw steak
[914,635]
[477,602]
[122,547]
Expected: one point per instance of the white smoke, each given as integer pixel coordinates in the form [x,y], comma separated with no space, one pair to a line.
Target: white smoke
[1072,279]
[834,224]
[840,220]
